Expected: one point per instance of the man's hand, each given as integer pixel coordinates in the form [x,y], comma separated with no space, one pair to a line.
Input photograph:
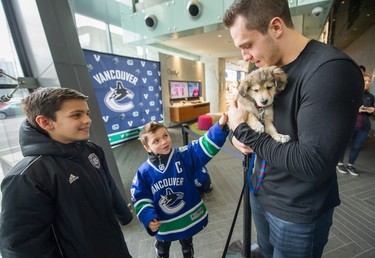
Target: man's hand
[241,147]
[236,115]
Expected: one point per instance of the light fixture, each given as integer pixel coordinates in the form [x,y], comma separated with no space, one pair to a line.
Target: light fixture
[194,9]
[151,21]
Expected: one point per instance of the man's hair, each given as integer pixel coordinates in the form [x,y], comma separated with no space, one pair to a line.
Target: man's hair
[46,102]
[258,13]
[363,68]
[151,127]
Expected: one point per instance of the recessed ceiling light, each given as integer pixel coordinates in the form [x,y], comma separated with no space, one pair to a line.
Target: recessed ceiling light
[219,35]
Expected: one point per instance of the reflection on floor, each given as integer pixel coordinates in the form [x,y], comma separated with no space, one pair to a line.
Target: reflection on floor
[352,234]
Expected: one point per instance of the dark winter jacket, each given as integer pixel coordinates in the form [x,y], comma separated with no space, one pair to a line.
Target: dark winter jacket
[61,201]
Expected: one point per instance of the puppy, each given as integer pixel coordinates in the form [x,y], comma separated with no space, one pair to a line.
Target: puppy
[256,93]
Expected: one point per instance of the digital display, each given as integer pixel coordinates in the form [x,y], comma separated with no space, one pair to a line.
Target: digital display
[184,90]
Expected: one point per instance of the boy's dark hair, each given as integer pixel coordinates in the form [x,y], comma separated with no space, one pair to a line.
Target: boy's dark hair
[258,13]
[46,102]
[151,127]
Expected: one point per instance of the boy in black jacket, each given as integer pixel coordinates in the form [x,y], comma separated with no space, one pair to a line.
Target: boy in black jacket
[60,200]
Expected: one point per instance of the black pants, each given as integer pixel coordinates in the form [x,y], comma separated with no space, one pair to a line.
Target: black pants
[162,248]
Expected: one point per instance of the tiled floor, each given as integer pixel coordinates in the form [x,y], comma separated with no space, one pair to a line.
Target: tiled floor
[352,234]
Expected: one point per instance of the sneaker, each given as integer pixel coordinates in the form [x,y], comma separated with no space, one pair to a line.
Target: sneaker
[352,171]
[342,169]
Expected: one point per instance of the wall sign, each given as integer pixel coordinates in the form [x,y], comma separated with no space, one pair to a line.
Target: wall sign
[128,91]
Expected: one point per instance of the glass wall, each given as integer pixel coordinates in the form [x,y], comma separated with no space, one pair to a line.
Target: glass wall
[10,99]
[99,36]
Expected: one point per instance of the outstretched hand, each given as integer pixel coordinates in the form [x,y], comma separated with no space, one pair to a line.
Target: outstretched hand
[223,120]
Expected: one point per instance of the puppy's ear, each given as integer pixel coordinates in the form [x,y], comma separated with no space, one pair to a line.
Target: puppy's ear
[280,78]
[244,86]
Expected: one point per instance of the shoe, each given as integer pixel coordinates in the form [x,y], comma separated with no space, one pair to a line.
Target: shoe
[342,169]
[352,171]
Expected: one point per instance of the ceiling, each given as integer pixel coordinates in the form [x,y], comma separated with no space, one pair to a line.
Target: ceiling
[348,19]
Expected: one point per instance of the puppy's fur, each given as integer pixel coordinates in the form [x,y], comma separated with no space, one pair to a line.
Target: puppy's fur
[256,93]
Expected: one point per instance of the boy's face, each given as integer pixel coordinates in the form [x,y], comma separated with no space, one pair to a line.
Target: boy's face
[159,142]
[72,122]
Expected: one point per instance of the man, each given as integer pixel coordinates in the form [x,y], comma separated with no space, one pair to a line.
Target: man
[293,208]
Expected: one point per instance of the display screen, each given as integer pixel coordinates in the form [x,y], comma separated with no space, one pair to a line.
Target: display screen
[184,90]
[194,89]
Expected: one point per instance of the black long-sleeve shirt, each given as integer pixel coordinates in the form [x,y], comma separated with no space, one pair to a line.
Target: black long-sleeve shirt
[318,109]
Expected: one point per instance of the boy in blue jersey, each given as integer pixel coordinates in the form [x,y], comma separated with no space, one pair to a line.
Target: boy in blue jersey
[165,197]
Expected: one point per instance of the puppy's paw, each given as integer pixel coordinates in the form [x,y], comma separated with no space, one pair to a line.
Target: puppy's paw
[258,127]
[281,138]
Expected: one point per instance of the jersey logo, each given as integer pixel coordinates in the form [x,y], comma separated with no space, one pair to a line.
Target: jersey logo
[171,202]
[94,160]
[72,178]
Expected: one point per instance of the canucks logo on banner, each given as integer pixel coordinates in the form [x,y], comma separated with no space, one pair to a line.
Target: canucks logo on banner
[128,91]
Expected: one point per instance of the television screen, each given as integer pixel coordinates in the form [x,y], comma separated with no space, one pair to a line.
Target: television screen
[194,89]
[178,89]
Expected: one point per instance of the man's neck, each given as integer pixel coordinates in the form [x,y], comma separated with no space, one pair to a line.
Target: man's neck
[292,46]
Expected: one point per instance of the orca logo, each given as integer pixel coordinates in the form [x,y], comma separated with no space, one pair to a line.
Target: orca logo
[119,99]
[171,202]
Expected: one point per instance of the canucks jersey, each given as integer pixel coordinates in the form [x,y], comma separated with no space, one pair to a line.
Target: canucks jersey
[167,191]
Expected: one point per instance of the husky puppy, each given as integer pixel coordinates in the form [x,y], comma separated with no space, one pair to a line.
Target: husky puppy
[256,93]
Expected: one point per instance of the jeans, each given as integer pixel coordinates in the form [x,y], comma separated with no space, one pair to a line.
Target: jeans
[278,238]
[359,136]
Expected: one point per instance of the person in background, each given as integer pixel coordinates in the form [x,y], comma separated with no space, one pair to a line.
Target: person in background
[60,199]
[165,197]
[361,130]
[297,191]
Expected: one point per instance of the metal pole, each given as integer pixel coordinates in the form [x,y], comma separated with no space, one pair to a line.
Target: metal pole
[246,251]
[185,139]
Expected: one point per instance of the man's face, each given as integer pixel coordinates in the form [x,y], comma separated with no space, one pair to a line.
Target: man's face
[256,48]
[159,142]
[367,80]
[72,122]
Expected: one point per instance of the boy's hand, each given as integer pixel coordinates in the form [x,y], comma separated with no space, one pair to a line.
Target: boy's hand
[223,120]
[154,225]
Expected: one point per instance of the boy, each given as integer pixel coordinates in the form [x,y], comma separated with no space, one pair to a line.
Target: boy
[60,200]
[165,197]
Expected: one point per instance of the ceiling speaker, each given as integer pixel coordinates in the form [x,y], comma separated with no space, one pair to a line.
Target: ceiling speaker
[151,21]
[194,9]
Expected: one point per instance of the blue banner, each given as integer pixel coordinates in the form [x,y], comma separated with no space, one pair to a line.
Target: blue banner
[128,91]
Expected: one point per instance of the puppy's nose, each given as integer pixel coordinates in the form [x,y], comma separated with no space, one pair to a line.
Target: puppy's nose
[264,102]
